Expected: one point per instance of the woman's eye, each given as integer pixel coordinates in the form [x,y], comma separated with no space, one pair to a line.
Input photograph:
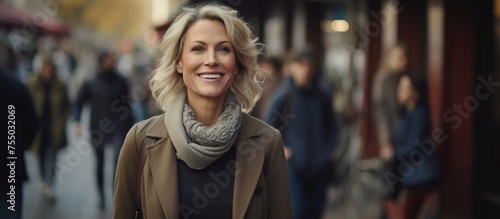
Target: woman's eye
[197,49]
[224,49]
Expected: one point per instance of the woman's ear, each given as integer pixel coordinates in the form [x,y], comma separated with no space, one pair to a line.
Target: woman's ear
[178,67]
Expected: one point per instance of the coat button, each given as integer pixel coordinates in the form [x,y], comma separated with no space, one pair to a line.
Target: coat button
[258,191]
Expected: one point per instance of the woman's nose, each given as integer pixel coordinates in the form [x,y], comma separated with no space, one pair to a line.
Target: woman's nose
[211,59]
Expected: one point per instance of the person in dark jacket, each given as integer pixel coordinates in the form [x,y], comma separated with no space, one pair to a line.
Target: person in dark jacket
[302,110]
[110,117]
[52,106]
[19,125]
[415,164]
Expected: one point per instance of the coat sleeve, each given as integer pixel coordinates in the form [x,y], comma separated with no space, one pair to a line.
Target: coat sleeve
[65,112]
[126,178]
[380,111]
[277,181]
[82,97]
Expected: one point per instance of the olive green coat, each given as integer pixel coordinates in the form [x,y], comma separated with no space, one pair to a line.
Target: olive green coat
[60,109]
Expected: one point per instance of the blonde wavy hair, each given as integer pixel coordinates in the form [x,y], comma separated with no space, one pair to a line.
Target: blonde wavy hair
[166,83]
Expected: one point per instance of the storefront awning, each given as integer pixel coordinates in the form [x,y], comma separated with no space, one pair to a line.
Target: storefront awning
[40,23]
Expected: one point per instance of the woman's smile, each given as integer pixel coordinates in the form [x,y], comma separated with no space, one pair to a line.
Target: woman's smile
[211,76]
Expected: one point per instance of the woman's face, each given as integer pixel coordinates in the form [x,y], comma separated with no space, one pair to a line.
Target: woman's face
[398,59]
[406,92]
[208,61]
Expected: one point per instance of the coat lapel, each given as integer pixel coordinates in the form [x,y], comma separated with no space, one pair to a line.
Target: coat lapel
[163,164]
[249,162]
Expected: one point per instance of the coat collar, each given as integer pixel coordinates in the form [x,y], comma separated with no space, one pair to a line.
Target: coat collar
[249,162]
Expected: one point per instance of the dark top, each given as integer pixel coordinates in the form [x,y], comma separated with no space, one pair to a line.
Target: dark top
[109,98]
[306,121]
[207,193]
[415,152]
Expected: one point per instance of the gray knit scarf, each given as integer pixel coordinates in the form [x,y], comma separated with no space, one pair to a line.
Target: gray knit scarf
[196,144]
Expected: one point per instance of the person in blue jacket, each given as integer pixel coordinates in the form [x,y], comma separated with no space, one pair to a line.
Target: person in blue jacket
[302,110]
[415,160]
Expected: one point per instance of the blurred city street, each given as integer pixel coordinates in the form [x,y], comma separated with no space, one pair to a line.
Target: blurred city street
[76,194]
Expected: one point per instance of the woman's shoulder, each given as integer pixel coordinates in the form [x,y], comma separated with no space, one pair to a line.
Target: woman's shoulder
[152,123]
[251,121]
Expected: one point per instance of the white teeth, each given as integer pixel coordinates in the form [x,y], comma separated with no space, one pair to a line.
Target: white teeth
[210,76]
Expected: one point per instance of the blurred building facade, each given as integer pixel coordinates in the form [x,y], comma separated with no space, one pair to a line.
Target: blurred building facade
[453,43]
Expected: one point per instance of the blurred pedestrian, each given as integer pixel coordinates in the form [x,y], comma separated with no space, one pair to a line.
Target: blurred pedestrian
[64,61]
[134,66]
[415,166]
[110,116]
[386,108]
[20,125]
[52,107]
[207,157]
[302,110]
[272,65]
[86,69]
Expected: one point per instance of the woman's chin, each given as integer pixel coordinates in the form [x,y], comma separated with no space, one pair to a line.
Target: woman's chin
[211,94]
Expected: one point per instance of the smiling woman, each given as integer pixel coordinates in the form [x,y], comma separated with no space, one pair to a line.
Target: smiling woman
[206,157]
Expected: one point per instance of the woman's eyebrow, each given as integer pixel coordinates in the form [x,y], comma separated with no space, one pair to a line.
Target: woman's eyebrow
[219,43]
